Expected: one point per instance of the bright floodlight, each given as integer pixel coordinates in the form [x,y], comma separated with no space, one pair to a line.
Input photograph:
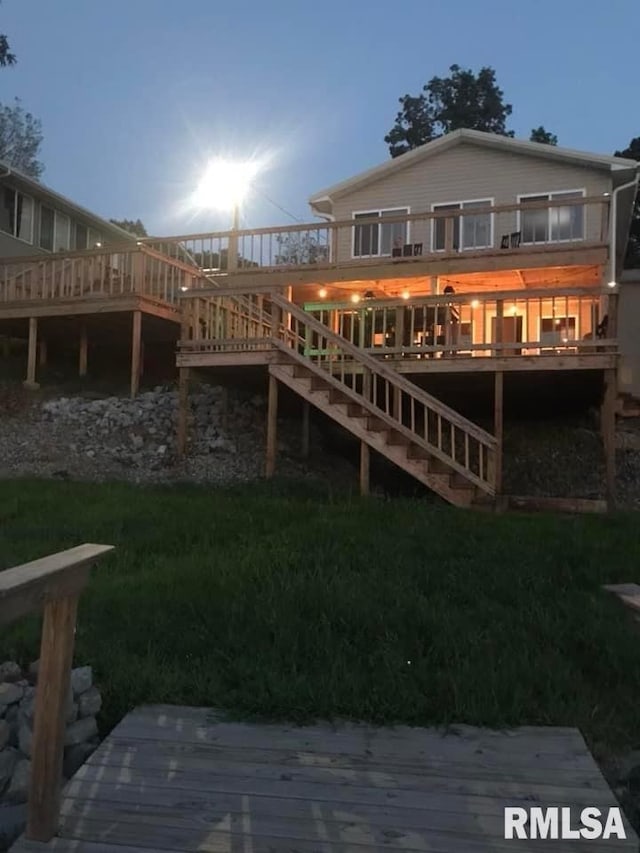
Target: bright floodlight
[224,184]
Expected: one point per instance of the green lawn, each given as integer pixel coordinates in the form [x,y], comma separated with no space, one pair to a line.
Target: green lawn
[284,601]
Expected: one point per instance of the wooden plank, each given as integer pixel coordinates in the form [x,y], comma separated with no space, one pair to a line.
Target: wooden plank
[364,468]
[319,774]
[84,351]
[24,588]
[56,655]
[30,381]
[272,427]
[136,351]
[608,426]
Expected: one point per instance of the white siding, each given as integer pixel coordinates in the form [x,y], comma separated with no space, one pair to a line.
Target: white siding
[468,172]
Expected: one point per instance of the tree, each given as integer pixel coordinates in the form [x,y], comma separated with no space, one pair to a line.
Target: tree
[133,227]
[464,99]
[6,57]
[299,248]
[20,139]
[632,259]
[539,134]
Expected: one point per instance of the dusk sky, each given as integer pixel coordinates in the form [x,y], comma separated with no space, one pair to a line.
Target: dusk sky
[135,95]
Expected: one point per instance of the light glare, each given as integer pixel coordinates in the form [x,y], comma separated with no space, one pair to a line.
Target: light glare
[224,184]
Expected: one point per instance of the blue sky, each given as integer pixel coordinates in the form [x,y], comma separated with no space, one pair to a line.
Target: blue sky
[134,95]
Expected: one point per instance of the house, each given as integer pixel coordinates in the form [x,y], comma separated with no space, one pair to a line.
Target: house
[34,219]
[69,278]
[473,257]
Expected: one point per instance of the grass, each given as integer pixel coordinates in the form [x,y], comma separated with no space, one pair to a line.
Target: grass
[284,601]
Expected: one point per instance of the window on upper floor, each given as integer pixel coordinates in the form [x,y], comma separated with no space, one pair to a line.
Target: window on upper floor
[16,215]
[80,241]
[55,230]
[558,224]
[470,230]
[377,239]
[556,331]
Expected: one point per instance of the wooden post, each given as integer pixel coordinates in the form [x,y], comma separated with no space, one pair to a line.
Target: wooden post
[306,410]
[56,655]
[499,326]
[183,411]
[608,426]
[498,427]
[84,351]
[136,340]
[272,427]
[399,326]
[42,353]
[30,381]
[364,468]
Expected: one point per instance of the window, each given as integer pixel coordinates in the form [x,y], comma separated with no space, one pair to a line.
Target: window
[378,238]
[552,224]
[557,331]
[47,217]
[16,215]
[62,232]
[470,230]
[81,237]
[94,239]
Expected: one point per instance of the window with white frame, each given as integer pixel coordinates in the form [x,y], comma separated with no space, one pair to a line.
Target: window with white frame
[552,224]
[16,215]
[376,239]
[470,230]
[55,230]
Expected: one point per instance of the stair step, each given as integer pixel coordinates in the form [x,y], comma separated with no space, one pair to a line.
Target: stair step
[300,372]
[397,439]
[376,425]
[356,411]
[416,452]
[319,384]
[436,466]
[336,396]
[459,481]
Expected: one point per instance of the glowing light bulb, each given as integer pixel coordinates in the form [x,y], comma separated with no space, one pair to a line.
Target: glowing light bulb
[355,297]
[322,293]
[475,303]
[405,294]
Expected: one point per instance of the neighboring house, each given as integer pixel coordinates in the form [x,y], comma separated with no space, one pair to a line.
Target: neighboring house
[34,219]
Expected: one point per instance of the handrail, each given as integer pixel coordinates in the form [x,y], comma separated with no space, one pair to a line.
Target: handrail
[408,217]
[387,373]
[396,385]
[54,584]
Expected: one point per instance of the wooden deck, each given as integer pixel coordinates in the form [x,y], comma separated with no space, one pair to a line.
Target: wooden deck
[174,778]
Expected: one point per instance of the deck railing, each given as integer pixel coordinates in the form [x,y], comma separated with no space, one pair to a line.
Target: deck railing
[52,584]
[567,321]
[97,273]
[404,237]
[426,421]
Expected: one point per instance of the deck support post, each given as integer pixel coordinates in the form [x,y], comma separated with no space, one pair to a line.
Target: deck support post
[56,655]
[84,351]
[498,430]
[136,352]
[608,426]
[30,381]
[306,413]
[365,458]
[272,427]
[42,353]
[183,412]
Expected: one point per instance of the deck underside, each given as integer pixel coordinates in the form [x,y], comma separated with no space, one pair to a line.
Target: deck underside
[174,778]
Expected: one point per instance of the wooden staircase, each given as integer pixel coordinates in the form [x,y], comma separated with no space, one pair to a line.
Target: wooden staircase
[430,441]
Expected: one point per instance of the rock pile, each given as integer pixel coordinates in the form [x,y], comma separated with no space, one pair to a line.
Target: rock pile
[17,707]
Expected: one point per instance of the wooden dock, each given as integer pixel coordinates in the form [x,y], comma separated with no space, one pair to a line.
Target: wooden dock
[181,779]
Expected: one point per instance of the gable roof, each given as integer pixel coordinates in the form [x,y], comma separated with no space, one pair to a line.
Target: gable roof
[65,205]
[475,137]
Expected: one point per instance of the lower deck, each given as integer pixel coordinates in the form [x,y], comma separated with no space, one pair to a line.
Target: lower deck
[177,778]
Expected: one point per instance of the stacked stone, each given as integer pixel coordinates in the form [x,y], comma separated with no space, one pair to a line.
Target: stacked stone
[17,709]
